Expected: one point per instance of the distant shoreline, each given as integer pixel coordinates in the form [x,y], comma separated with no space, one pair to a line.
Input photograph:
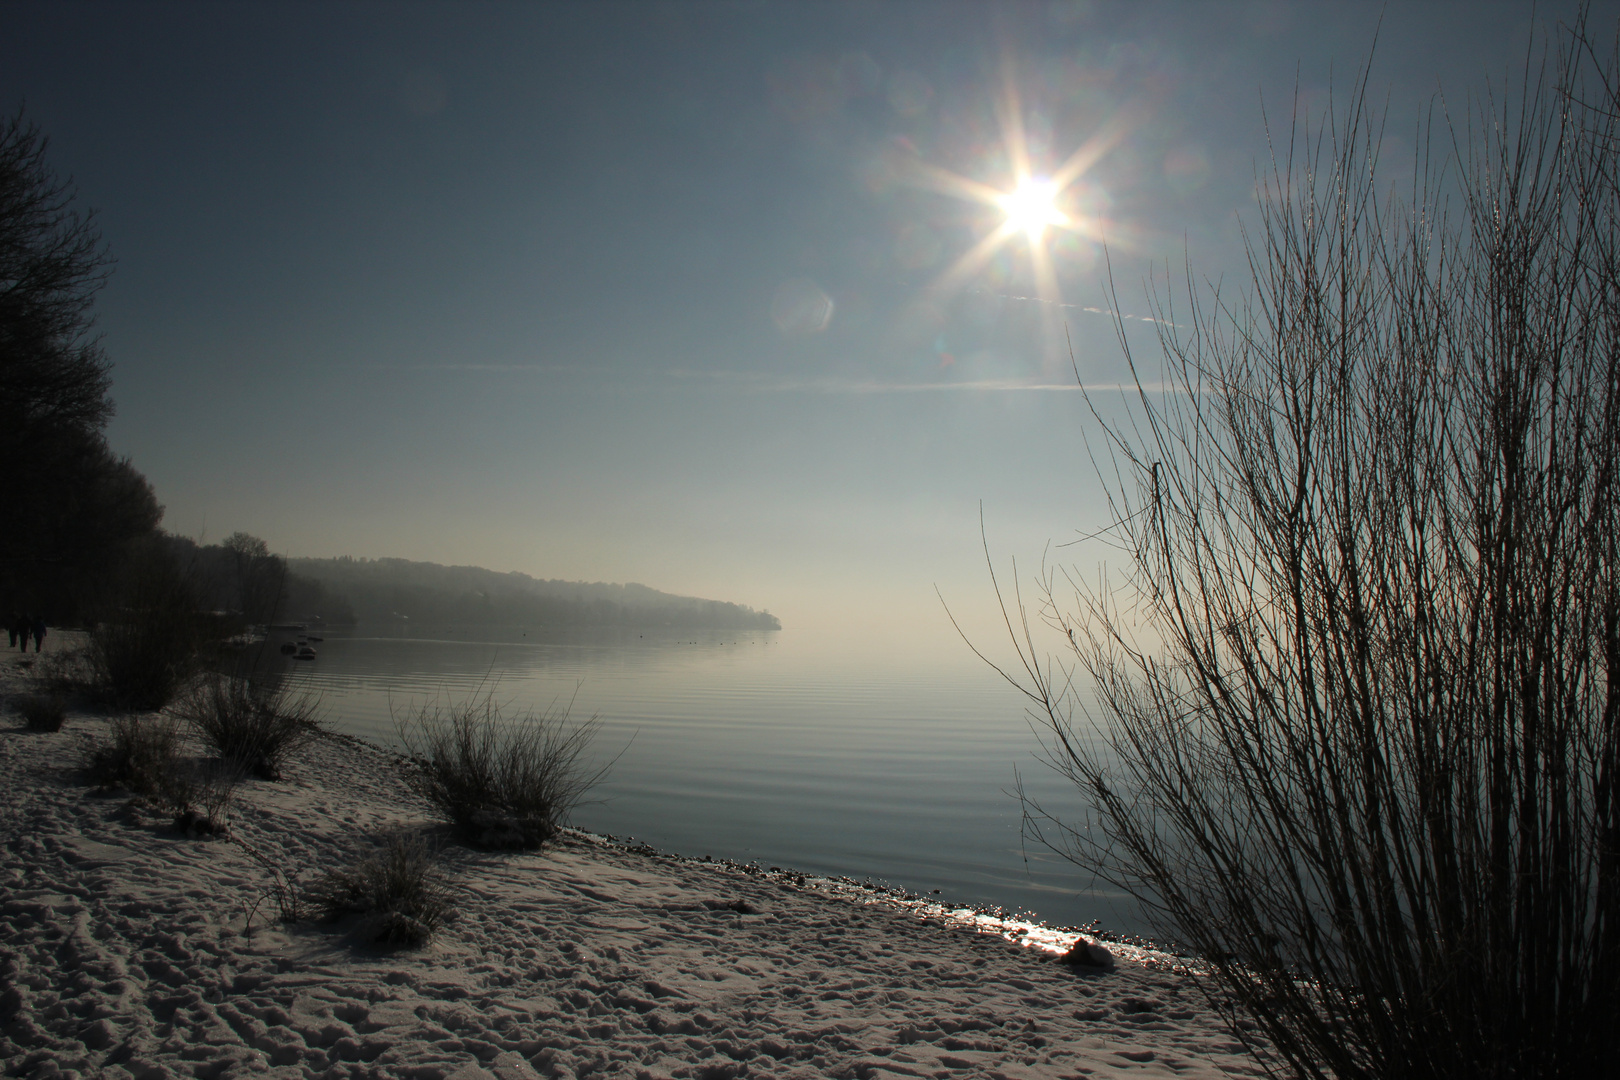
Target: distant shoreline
[347,590]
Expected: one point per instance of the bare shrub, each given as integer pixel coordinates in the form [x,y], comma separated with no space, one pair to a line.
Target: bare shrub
[41,712]
[502,783]
[143,756]
[142,658]
[254,723]
[66,672]
[1355,724]
[145,649]
[201,793]
[290,901]
[399,893]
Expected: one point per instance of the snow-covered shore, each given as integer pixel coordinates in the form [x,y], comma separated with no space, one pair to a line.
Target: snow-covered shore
[126,950]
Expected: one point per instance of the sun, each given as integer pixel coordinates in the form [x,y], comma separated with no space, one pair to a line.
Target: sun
[1039,201]
[1031,207]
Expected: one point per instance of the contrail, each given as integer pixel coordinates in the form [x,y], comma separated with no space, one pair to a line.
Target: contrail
[1075,307]
[749,380]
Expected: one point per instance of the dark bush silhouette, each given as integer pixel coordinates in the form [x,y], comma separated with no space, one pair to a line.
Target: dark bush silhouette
[42,712]
[1356,706]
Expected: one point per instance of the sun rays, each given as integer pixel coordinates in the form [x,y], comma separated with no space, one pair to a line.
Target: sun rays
[1037,205]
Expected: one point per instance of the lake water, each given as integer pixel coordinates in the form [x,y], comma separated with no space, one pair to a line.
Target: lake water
[786,747]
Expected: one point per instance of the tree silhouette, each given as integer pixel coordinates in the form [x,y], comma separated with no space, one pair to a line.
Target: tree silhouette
[71,504]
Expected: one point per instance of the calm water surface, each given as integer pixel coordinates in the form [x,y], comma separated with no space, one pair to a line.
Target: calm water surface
[787,747]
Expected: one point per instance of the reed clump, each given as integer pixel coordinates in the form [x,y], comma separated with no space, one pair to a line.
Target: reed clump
[399,893]
[255,723]
[500,782]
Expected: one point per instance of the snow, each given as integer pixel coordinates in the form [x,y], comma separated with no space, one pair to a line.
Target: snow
[130,950]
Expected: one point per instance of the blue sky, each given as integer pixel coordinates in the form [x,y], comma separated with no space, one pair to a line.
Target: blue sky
[670,293]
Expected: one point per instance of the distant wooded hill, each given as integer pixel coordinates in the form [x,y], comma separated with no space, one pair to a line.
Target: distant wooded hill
[369,590]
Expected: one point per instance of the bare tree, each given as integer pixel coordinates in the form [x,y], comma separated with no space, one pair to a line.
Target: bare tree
[259,578]
[1351,726]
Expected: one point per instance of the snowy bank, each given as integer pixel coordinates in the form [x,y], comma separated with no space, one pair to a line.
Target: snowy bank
[127,950]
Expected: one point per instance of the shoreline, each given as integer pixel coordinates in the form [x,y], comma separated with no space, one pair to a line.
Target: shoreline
[997,921]
[129,950]
[1017,927]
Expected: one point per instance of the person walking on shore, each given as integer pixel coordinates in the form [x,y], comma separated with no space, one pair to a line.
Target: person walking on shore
[14,623]
[38,628]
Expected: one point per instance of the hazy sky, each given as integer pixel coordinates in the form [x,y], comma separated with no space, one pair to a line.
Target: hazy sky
[667,293]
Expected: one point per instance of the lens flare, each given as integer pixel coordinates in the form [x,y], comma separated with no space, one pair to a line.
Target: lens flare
[1038,202]
[1032,206]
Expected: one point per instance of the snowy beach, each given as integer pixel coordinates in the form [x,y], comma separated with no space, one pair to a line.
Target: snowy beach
[128,949]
